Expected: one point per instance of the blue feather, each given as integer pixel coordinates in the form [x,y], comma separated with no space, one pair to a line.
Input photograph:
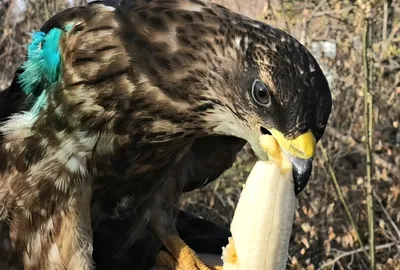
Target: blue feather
[51,54]
[42,69]
[69,26]
[39,103]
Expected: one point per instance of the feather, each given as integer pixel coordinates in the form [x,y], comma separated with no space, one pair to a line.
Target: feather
[42,69]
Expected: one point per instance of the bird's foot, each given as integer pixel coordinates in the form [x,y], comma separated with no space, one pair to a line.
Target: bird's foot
[181,256]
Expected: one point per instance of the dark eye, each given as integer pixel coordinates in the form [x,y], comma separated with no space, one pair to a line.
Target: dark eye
[261,94]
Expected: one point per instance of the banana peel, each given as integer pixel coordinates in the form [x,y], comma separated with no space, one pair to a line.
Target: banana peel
[263,218]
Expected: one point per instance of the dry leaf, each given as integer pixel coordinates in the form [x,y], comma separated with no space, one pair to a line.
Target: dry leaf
[354,234]
[313,232]
[305,242]
[360,181]
[311,267]
[330,209]
[382,224]
[295,261]
[306,227]
[331,233]
[348,240]
[327,246]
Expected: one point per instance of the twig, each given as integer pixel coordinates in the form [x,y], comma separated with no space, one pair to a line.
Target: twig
[341,197]
[368,134]
[385,20]
[317,7]
[387,214]
[388,41]
[332,12]
[345,254]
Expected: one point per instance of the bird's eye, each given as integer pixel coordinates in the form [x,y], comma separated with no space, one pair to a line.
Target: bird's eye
[261,94]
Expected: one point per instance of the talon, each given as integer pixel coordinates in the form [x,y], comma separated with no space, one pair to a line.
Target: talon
[181,256]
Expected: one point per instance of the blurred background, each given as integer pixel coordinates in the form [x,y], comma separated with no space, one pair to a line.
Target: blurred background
[323,235]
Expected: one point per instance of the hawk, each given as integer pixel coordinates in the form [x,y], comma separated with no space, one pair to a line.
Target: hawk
[121,108]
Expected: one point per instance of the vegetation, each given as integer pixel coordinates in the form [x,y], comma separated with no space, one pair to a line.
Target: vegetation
[353,198]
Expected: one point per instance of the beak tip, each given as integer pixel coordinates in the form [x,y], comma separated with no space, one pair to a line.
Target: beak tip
[301,173]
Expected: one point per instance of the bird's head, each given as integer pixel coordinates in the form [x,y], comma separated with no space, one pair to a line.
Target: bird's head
[252,80]
[277,89]
[240,77]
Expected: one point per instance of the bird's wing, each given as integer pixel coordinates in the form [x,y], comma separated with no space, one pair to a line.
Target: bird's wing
[210,157]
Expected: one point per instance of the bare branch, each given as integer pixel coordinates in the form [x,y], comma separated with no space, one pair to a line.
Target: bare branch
[387,215]
[340,195]
[368,116]
[345,254]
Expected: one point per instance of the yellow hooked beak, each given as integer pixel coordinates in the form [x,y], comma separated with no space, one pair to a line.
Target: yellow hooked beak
[302,147]
[300,151]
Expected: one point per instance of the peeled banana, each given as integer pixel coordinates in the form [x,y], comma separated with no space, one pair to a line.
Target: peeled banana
[263,218]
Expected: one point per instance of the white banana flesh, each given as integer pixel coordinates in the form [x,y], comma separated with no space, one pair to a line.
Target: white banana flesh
[263,218]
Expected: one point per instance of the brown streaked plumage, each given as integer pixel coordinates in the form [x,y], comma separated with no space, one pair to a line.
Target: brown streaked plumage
[156,98]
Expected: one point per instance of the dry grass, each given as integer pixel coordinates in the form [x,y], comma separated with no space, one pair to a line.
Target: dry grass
[322,235]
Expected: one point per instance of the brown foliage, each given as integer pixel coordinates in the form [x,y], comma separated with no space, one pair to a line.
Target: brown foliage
[322,231]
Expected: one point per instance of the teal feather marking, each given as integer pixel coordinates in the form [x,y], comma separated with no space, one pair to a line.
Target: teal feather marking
[43,67]
[51,54]
[40,103]
[31,76]
[69,26]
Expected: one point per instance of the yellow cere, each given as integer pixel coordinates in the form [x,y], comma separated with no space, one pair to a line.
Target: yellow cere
[301,147]
[272,148]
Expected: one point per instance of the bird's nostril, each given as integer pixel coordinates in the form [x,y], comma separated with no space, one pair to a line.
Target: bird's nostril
[265,131]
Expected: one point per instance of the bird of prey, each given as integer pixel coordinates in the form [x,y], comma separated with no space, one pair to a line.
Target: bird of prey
[125,107]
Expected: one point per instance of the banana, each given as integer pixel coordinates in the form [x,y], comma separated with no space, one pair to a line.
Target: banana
[263,218]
